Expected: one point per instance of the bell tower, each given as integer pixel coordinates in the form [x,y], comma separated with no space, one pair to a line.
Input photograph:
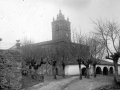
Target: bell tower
[61,28]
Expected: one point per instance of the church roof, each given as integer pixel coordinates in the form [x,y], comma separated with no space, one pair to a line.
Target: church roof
[70,62]
[103,62]
[48,42]
[13,47]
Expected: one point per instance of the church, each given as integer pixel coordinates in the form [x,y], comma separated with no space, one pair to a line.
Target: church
[61,34]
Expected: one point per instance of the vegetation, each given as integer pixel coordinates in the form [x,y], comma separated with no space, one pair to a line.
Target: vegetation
[78,50]
[64,56]
[86,50]
[96,51]
[108,31]
[33,58]
[53,56]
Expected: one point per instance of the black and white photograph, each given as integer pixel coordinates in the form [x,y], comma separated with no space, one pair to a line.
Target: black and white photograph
[59,44]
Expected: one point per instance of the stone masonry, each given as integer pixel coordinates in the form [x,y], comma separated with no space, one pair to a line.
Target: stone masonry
[10,70]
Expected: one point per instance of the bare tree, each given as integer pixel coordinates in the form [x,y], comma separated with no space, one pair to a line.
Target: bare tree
[33,55]
[64,56]
[86,50]
[53,57]
[96,51]
[86,56]
[108,31]
[78,49]
[25,41]
[83,53]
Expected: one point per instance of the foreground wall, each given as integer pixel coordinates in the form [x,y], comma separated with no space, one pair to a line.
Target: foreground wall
[10,69]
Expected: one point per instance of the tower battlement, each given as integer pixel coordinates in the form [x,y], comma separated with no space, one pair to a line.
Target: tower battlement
[61,28]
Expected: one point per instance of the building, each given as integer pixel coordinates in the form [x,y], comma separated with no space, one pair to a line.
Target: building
[61,34]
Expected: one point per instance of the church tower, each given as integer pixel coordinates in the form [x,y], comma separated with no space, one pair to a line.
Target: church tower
[61,28]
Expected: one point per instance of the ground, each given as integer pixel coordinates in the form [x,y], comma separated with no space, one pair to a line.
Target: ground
[53,85]
[89,84]
[28,82]
[73,83]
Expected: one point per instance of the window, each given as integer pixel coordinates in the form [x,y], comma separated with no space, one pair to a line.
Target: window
[57,27]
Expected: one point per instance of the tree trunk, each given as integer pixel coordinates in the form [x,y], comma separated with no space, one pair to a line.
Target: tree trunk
[54,72]
[80,71]
[116,69]
[87,72]
[63,74]
[94,68]
[46,70]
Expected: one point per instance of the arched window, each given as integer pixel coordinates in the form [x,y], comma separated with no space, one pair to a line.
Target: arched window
[57,27]
[111,70]
[98,70]
[83,71]
[105,71]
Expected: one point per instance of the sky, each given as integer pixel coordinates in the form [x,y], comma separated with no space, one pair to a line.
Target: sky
[32,18]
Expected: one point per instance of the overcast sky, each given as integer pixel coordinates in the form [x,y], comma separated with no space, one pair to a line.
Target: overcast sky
[32,18]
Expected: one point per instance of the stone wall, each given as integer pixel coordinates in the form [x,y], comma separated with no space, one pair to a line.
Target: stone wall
[10,70]
[45,69]
[59,70]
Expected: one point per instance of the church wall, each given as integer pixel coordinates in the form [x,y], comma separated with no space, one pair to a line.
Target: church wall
[60,70]
[45,69]
[102,66]
[72,69]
